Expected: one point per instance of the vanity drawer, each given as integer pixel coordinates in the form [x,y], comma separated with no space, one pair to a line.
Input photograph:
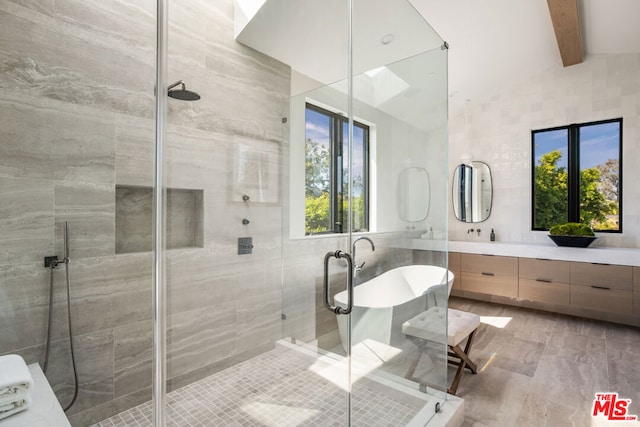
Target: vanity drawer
[546,292]
[610,276]
[506,286]
[488,264]
[611,300]
[545,270]
[454,267]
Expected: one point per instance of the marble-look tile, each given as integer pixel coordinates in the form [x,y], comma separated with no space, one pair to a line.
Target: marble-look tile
[623,338]
[48,59]
[515,354]
[89,210]
[133,219]
[94,363]
[117,405]
[624,374]
[194,281]
[580,326]
[199,338]
[24,305]
[135,148]
[55,144]
[539,411]
[26,219]
[132,357]
[559,379]
[577,347]
[105,292]
[497,396]
[41,6]
[132,21]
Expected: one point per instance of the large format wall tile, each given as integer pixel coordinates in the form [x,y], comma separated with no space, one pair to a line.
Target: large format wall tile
[53,144]
[89,210]
[135,151]
[132,357]
[94,364]
[105,292]
[61,61]
[26,220]
[24,305]
[199,338]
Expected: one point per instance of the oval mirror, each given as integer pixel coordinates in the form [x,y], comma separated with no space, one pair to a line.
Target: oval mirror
[413,194]
[472,192]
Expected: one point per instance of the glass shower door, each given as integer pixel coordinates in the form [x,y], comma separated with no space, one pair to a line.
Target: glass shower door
[399,89]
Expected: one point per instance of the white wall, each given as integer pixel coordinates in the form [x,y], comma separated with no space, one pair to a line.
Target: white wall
[499,133]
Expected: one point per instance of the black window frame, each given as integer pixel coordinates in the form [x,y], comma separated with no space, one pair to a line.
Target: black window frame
[573,172]
[336,145]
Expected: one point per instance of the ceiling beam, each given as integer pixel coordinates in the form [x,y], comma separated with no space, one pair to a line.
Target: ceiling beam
[566,24]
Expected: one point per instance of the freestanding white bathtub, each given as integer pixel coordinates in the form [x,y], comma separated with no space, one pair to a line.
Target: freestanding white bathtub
[381,305]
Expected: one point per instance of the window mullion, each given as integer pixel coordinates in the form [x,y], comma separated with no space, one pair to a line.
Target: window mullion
[336,160]
[573,165]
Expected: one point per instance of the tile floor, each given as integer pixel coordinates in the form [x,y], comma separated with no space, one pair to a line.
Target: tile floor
[536,369]
[282,387]
[543,369]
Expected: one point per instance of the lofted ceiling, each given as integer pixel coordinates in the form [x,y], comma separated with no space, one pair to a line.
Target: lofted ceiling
[499,43]
[493,44]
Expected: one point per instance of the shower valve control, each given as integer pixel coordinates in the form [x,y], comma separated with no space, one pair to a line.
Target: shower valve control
[51,261]
[245,245]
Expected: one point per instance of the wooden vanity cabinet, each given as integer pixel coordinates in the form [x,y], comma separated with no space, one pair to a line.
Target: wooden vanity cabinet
[488,274]
[454,267]
[543,280]
[600,291]
[636,291]
[602,287]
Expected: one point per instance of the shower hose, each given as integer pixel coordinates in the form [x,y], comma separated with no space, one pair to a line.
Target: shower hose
[52,267]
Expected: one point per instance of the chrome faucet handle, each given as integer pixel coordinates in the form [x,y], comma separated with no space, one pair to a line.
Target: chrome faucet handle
[359,267]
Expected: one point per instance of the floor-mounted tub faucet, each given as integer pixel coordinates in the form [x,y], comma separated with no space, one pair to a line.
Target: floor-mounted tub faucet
[353,253]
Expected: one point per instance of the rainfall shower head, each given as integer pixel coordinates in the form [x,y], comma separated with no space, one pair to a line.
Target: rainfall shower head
[182,94]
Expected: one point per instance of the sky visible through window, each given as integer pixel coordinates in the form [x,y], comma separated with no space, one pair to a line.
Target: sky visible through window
[598,143]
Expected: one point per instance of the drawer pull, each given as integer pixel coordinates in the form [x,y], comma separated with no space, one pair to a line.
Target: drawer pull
[543,280]
[600,287]
[544,259]
[600,263]
[487,274]
[487,254]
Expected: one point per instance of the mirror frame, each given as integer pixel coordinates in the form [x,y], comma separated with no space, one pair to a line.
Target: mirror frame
[454,192]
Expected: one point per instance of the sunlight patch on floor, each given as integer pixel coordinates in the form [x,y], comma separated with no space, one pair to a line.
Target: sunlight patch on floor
[496,321]
[264,413]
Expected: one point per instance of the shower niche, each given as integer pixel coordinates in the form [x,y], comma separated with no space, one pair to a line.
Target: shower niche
[134,208]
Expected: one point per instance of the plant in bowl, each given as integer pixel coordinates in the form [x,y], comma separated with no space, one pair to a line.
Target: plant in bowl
[572,234]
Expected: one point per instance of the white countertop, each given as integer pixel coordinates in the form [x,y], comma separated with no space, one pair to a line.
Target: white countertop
[44,411]
[598,254]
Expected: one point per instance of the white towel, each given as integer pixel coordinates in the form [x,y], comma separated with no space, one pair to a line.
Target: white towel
[14,376]
[14,407]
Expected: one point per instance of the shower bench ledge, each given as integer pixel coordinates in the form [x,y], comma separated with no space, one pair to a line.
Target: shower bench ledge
[44,410]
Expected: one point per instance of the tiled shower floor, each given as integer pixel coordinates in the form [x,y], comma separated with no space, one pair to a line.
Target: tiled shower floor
[283,387]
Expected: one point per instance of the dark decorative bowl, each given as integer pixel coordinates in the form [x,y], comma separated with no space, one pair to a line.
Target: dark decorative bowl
[572,241]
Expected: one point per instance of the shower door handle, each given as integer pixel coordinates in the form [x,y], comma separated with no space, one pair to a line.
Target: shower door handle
[327,303]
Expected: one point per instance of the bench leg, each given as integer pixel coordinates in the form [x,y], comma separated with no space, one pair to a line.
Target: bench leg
[464,362]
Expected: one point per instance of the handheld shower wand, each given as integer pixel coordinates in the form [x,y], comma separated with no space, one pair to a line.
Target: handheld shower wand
[52,263]
[66,243]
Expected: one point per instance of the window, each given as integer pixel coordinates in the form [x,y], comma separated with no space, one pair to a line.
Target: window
[327,173]
[577,175]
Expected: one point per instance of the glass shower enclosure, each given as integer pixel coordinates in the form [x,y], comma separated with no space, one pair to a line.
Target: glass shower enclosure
[213,242]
